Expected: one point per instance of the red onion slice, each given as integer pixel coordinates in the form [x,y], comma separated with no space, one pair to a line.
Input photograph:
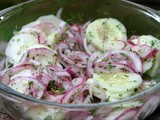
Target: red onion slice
[137,63]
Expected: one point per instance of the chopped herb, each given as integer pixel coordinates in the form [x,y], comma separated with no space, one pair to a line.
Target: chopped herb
[136,89]
[87,59]
[103,23]
[49,62]
[152,43]
[120,95]
[105,89]
[118,26]
[124,55]
[1,55]
[79,72]
[30,83]
[18,40]
[90,34]
[126,75]
[109,66]
[54,88]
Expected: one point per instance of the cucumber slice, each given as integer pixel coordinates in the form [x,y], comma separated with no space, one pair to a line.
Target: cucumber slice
[150,65]
[41,113]
[147,64]
[156,67]
[119,82]
[111,95]
[105,34]
[23,84]
[26,72]
[18,45]
[148,40]
[40,55]
[45,19]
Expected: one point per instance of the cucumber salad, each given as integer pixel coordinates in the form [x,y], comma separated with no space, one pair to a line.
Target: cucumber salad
[95,62]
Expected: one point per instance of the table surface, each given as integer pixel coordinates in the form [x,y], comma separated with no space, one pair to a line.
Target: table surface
[154,4]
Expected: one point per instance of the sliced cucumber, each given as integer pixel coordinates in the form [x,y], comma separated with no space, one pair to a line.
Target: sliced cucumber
[45,19]
[147,64]
[47,23]
[39,55]
[19,44]
[148,40]
[123,95]
[119,82]
[105,33]
[26,72]
[22,84]
[150,65]
[156,66]
[41,113]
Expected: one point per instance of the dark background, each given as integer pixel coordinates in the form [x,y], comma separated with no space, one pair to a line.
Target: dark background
[155,4]
[151,3]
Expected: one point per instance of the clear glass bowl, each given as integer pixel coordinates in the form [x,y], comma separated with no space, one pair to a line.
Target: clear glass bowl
[138,20]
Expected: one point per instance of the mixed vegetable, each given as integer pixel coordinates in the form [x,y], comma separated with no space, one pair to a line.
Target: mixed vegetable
[80,64]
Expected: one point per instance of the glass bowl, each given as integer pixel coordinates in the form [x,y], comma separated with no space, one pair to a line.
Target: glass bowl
[138,20]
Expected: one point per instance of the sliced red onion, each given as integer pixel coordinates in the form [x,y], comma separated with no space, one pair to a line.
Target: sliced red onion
[39,56]
[91,60]
[61,48]
[52,98]
[132,38]
[74,91]
[85,46]
[2,64]
[71,72]
[41,37]
[59,72]
[47,28]
[59,13]
[152,53]
[137,63]
[127,114]
[147,108]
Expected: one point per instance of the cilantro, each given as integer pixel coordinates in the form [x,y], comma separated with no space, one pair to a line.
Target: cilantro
[105,89]
[118,26]
[87,59]
[30,83]
[120,95]
[54,88]
[90,34]
[79,72]
[152,43]
[126,75]
[124,55]
[135,90]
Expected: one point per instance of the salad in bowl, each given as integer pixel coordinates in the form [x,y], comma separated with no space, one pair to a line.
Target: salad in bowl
[82,64]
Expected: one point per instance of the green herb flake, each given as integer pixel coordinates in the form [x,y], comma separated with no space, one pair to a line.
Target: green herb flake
[120,95]
[30,83]
[136,89]
[152,43]
[90,34]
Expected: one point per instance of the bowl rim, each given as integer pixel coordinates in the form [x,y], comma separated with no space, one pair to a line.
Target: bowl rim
[14,94]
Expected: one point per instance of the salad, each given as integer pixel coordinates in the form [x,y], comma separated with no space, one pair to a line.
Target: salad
[95,62]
